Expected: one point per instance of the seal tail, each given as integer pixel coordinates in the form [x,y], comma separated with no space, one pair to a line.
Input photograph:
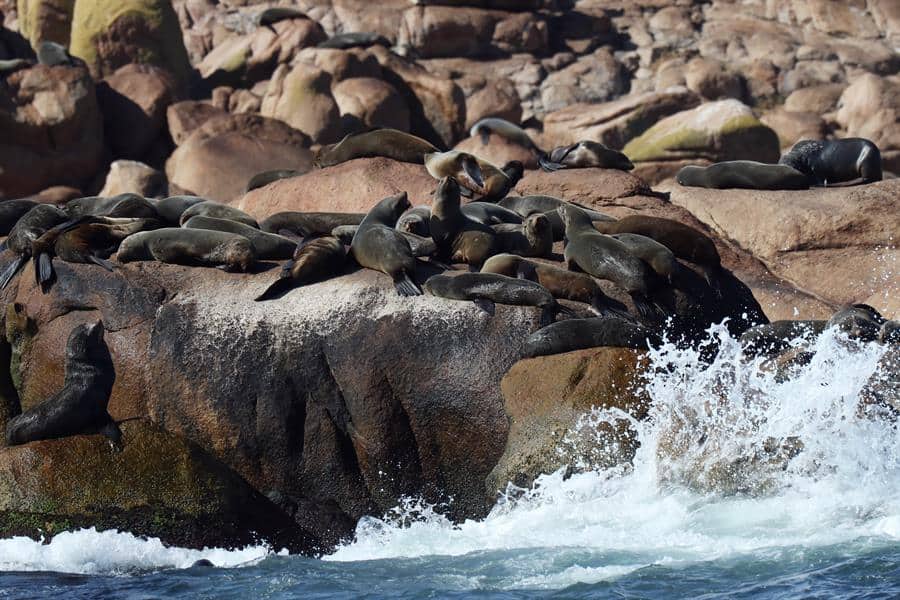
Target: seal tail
[11,271]
[406,286]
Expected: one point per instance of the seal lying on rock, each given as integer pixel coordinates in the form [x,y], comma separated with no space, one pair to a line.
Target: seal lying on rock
[305,224]
[660,258]
[488,213]
[266,177]
[534,237]
[121,206]
[355,39]
[585,154]
[743,174]
[30,227]
[80,406]
[380,247]
[578,334]
[774,338]
[315,260]
[176,245]
[421,246]
[515,134]
[170,209]
[548,205]
[266,246]
[389,143]
[486,289]
[832,163]
[859,321]
[217,210]
[11,211]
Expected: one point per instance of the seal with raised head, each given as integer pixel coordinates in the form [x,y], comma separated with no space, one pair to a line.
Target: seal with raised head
[534,237]
[475,175]
[859,321]
[389,143]
[458,238]
[743,174]
[11,211]
[355,39]
[30,227]
[193,247]
[584,154]
[603,257]
[80,407]
[487,289]
[515,134]
[266,177]
[121,206]
[771,339]
[564,284]
[266,246]
[306,224]
[835,163]
[548,205]
[380,247]
[314,260]
[170,209]
[579,334]
[218,210]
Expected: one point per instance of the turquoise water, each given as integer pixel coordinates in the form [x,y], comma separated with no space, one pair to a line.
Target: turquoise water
[824,524]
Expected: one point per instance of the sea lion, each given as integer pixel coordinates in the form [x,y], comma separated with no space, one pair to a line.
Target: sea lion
[579,334]
[603,257]
[30,227]
[515,134]
[305,224]
[582,155]
[458,238]
[8,67]
[472,173]
[196,247]
[660,258]
[314,260]
[486,289]
[390,143]
[548,205]
[771,339]
[80,407]
[123,206]
[859,321]
[266,177]
[170,209]
[421,246]
[488,213]
[270,16]
[266,246]
[564,284]
[415,220]
[685,242]
[835,163]
[380,247]
[11,211]
[216,210]
[498,185]
[355,39]
[534,237]
[743,174]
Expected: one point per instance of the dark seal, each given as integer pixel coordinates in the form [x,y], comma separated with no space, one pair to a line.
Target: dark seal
[315,260]
[834,163]
[585,154]
[743,174]
[579,334]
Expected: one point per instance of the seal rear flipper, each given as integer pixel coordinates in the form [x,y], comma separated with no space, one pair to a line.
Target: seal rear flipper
[102,262]
[485,136]
[548,165]
[406,286]
[473,170]
[486,305]
[280,286]
[11,271]
[43,271]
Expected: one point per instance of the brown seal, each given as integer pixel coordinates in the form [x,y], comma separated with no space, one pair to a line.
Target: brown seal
[380,247]
[534,237]
[497,187]
[510,131]
[585,154]
[771,339]
[578,334]
[421,246]
[218,210]
[315,260]
[30,227]
[475,175]
[266,246]
[170,209]
[266,177]
[195,247]
[11,211]
[548,205]
[743,174]
[660,258]
[306,224]
[390,143]
[458,238]
[603,257]
[415,220]
[859,321]
[488,213]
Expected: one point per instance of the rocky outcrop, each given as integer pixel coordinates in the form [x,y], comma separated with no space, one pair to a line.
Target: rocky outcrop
[301,97]
[129,176]
[375,103]
[45,20]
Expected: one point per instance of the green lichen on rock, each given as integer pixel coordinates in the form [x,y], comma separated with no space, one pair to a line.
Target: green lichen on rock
[108,34]
[45,20]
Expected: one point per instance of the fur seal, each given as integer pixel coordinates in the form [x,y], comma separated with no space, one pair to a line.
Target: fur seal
[660,258]
[380,247]
[8,67]
[11,211]
[170,209]
[305,224]
[497,187]
[487,289]
[390,143]
[771,339]
[474,174]
[315,260]
[200,247]
[266,246]
[685,242]
[564,284]
[582,155]
[548,205]
[420,245]
[270,16]
[534,237]
[579,334]
[485,127]
[266,177]
[80,407]
[415,220]
[603,257]
[458,238]
[743,174]
[123,206]
[216,210]
[488,213]
[850,161]
[859,321]
[30,227]
[356,39]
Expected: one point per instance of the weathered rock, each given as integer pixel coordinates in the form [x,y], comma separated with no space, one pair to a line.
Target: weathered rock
[374,102]
[186,116]
[792,127]
[45,20]
[493,98]
[582,185]
[52,130]
[108,35]
[129,176]
[819,99]
[301,97]
[546,397]
[710,80]
[870,108]
[718,131]
[353,186]
[220,156]
[341,64]
[595,78]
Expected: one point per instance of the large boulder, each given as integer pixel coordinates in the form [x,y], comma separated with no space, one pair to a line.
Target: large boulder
[498,150]
[582,185]
[131,176]
[218,159]
[597,77]
[374,102]
[186,116]
[301,97]
[52,130]
[45,20]
[870,108]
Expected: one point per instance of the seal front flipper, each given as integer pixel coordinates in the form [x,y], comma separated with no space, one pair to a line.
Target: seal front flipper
[43,271]
[486,305]
[406,286]
[473,170]
[548,165]
[102,263]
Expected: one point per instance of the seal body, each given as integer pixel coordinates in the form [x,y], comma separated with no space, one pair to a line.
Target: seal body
[81,405]
[270,16]
[32,225]
[859,321]
[316,260]
[534,237]
[548,205]
[472,173]
[122,206]
[488,213]
[390,143]
[170,209]
[380,247]
[305,224]
[773,338]
[849,161]
[11,211]
[416,220]
[585,154]
[485,127]
[266,246]
[266,177]
[578,334]
[457,237]
[420,245]
[356,39]
[217,210]
[198,247]
[744,174]
[660,258]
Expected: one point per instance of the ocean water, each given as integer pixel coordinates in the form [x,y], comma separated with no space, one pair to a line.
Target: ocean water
[734,512]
